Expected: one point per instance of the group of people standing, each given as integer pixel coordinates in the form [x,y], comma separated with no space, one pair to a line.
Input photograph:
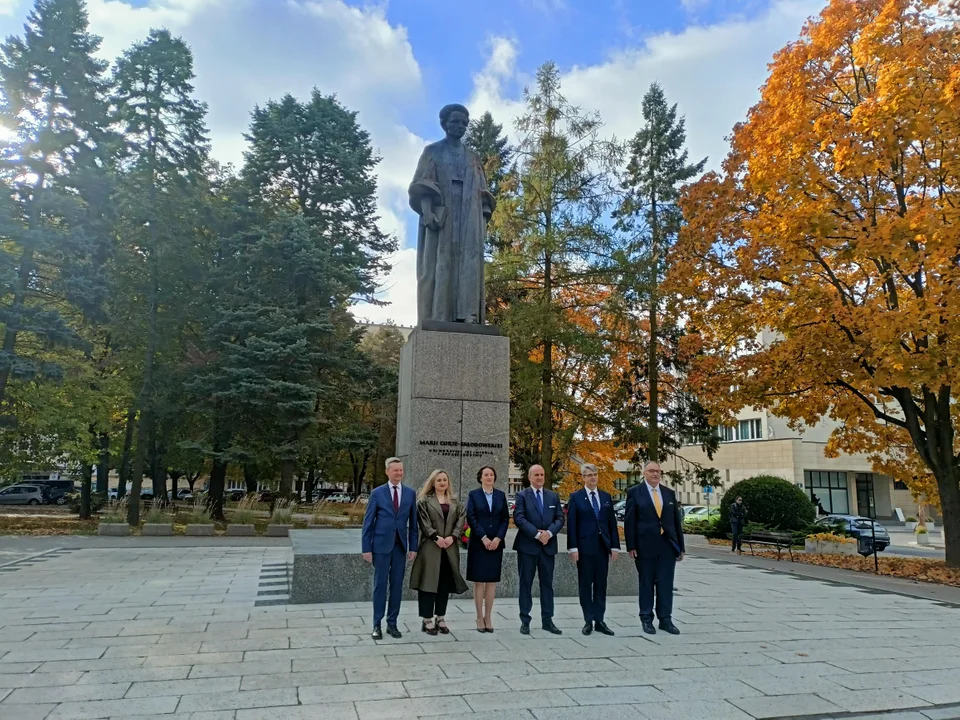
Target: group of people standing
[402,525]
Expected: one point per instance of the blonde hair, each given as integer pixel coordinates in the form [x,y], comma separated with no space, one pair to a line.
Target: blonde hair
[428,488]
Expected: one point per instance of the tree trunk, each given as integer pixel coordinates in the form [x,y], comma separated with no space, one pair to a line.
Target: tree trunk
[175,476]
[86,478]
[287,468]
[653,376]
[949,488]
[250,478]
[218,476]
[145,402]
[192,480]
[158,470]
[546,374]
[123,471]
[311,483]
[103,465]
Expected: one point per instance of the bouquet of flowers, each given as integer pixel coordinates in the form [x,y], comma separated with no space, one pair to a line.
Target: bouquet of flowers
[465,538]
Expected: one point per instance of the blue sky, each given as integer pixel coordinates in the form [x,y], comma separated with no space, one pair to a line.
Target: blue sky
[398,61]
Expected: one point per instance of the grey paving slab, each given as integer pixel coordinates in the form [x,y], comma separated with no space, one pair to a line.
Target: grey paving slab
[66,693]
[693,710]
[872,700]
[110,708]
[208,653]
[238,700]
[161,688]
[327,711]
[785,705]
[938,694]
[290,679]
[596,712]
[415,707]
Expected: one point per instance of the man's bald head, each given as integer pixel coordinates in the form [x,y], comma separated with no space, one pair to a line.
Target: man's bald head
[536,476]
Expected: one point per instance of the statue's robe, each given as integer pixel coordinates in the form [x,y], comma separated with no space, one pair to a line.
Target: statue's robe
[450,260]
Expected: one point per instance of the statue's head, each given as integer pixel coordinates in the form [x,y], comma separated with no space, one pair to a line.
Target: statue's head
[454,119]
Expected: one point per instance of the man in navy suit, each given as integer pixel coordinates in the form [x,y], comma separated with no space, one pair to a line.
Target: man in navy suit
[593,541]
[389,539]
[653,527]
[538,516]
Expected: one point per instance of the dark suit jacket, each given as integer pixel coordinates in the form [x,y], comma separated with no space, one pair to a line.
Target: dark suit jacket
[587,534]
[527,518]
[483,522]
[382,524]
[641,525]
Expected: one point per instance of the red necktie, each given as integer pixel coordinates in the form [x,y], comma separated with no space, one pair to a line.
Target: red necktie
[396,499]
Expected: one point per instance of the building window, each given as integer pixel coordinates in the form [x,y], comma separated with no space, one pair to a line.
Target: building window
[828,489]
[900,485]
[744,430]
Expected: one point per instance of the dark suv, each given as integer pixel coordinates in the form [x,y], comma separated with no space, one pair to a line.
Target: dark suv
[858,527]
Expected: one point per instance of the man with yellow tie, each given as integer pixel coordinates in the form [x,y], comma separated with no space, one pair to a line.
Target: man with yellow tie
[653,526]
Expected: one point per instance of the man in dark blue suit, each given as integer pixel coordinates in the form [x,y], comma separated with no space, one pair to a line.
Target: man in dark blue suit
[389,539]
[653,527]
[538,516]
[593,541]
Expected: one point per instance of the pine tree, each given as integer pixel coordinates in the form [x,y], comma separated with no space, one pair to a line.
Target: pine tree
[313,157]
[556,234]
[53,93]
[167,148]
[485,137]
[649,215]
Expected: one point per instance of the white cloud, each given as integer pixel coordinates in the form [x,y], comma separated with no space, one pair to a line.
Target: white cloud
[9,7]
[399,290]
[714,73]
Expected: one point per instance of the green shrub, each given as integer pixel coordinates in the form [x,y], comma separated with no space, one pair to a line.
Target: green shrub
[911,519]
[698,527]
[97,503]
[770,500]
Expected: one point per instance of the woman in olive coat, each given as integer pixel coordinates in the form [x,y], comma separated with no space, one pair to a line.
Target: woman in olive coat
[436,571]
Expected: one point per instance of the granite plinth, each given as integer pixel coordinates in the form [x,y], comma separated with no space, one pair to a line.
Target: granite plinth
[459,327]
[453,410]
[328,567]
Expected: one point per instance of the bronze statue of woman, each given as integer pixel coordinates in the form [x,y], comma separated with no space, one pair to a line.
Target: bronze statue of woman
[449,192]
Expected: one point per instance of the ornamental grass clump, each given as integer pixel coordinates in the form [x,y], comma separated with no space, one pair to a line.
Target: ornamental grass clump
[244,514]
[282,513]
[200,514]
[115,513]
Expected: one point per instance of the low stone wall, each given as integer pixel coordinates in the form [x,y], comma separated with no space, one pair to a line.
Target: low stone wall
[324,577]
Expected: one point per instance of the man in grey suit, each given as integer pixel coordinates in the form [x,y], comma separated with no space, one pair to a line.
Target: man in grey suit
[538,516]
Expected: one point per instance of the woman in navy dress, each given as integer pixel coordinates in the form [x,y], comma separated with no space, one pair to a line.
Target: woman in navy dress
[489,518]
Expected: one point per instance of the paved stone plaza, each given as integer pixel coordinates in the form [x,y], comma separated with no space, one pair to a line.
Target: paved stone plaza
[183,632]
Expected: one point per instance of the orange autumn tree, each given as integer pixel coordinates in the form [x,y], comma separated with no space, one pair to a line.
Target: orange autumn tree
[821,265]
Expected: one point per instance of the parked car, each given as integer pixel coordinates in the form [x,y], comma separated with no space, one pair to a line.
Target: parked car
[688,509]
[340,498]
[858,527]
[54,494]
[21,495]
[266,496]
[708,514]
[235,495]
[183,495]
[620,509]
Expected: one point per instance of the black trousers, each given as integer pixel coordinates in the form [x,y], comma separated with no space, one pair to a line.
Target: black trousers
[541,565]
[592,571]
[432,603]
[737,528]
[435,603]
[656,568]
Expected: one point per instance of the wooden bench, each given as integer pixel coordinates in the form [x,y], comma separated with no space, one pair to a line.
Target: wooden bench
[780,540]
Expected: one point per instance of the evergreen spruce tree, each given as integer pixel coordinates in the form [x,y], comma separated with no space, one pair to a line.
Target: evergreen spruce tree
[163,177]
[650,219]
[53,93]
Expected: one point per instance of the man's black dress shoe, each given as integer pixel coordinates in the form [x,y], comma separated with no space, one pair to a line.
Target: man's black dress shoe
[551,628]
[524,628]
[393,632]
[587,628]
[601,627]
[668,626]
[377,633]
[648,627]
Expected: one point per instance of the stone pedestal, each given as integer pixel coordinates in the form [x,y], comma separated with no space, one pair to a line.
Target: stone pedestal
[453,409]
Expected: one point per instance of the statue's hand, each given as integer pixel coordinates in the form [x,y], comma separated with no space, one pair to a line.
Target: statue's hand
[431,221]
